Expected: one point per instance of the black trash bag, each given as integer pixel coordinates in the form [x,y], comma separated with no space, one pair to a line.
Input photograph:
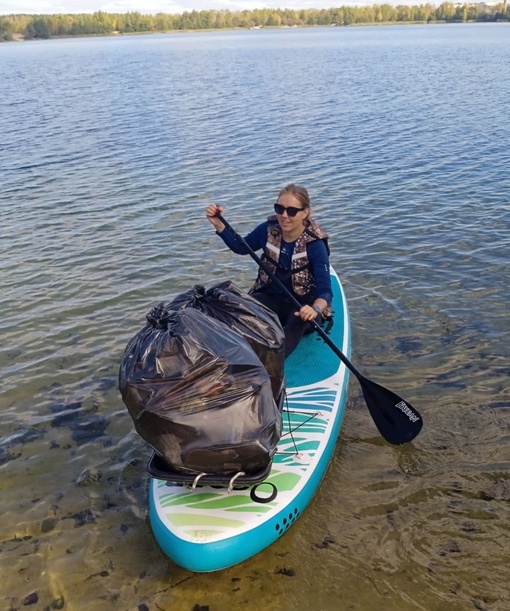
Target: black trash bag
[199,395]
[248,317]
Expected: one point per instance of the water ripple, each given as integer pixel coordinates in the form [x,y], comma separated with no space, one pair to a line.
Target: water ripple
[108,163]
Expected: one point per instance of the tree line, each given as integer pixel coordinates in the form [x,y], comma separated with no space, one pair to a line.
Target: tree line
[102,23]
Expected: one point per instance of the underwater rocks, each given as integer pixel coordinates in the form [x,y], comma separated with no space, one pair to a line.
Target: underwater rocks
[86,425]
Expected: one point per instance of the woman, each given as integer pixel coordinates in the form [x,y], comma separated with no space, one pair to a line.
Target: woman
[296,250]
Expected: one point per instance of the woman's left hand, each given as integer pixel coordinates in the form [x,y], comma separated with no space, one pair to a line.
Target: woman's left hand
[307,313]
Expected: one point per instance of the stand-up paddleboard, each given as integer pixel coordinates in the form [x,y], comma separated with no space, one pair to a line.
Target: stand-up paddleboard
[207,528]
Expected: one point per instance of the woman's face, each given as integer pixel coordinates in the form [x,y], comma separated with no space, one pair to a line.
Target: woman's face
[291,223]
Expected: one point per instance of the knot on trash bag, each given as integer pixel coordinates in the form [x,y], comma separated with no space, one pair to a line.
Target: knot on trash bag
[199,291]
[159,316]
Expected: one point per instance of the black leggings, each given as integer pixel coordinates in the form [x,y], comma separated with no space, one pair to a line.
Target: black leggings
[293,326]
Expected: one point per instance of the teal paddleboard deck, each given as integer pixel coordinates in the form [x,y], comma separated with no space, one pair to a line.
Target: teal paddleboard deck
[209,528]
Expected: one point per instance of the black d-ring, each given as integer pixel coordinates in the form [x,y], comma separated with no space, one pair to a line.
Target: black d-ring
[263,499]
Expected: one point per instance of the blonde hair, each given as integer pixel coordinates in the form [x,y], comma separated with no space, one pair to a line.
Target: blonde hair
[301,194]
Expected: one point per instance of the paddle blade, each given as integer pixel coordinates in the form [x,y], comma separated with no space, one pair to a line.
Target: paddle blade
[397,421]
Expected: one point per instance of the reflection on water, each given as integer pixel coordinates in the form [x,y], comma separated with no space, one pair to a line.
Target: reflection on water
[108,165]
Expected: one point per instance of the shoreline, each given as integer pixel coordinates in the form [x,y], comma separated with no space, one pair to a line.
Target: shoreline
[21,38]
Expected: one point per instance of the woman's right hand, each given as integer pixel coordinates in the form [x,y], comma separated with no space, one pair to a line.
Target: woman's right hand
[210,212]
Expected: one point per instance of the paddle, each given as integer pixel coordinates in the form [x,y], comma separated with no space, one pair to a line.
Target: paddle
[396,420]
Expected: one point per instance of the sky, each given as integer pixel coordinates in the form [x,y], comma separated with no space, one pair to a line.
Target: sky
[169,6]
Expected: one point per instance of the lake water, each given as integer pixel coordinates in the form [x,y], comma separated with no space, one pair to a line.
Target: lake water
[110,150]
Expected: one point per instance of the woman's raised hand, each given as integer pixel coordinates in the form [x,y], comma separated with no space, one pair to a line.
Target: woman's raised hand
[210,212]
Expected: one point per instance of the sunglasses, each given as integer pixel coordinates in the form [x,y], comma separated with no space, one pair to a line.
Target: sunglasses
[290,210]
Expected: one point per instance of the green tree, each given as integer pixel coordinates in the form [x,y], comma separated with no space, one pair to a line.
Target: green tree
[446,12]
[6,29]
[461,13]
[368,14]
[38,28]
[404,13]
[274,19]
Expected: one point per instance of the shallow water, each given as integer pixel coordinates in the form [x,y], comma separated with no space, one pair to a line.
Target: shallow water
[111,149]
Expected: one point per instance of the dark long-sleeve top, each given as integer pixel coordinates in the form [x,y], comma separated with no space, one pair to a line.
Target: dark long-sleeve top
[317,255]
